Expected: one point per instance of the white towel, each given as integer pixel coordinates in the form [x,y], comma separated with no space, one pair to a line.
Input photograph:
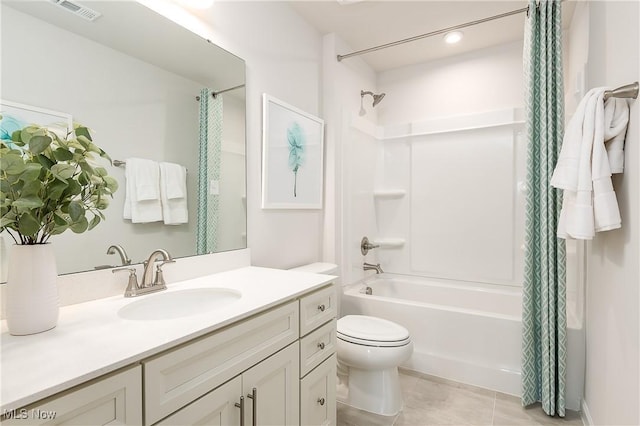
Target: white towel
[592,149]
[142,195]
[173,193]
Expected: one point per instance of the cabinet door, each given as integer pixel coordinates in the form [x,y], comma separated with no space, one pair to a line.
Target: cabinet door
[177,377]
[271,389]
[113,400]
[318,395]
[215,408]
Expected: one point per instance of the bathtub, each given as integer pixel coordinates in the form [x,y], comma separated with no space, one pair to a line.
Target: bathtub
[467,332]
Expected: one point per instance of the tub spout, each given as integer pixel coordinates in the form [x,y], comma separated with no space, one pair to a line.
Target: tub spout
[372,267]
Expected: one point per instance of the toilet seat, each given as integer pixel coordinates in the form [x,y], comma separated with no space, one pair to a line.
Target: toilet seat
[371,331]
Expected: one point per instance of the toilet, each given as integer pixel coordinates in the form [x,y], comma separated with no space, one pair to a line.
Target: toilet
[372,349]
[369,349]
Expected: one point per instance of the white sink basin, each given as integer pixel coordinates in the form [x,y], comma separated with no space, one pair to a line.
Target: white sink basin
[178,304]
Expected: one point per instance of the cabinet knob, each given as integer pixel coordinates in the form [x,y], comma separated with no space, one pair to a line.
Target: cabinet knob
[321,308]
[321,345]
[321,401]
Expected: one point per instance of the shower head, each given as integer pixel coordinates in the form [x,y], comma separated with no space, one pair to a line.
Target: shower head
[376,98]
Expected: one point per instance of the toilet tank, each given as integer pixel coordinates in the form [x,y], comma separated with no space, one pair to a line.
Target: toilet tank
[318,268]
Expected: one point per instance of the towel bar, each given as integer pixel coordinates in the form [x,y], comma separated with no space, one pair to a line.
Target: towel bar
[120,163]
[627,91]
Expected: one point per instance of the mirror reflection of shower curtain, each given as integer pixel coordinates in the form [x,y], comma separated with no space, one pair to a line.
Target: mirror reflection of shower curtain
[209,172]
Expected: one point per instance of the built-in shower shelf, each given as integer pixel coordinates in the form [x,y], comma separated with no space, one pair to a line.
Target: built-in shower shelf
[389,194]
[389,243]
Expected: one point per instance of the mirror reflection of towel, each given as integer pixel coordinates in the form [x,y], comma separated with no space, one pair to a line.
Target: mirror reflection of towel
[142,195]
[173,193]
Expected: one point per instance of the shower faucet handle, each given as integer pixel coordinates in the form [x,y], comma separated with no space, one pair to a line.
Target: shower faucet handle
[365,246]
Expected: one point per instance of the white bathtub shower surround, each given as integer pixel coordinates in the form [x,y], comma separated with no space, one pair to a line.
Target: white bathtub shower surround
[468,332]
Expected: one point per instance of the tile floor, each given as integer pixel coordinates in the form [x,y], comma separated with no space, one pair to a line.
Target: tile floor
[429,400]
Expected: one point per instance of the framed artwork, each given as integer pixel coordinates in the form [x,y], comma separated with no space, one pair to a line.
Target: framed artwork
[292,157]
[15,116]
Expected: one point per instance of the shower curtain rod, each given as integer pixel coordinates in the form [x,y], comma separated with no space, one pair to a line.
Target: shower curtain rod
[421,36]
[214,94]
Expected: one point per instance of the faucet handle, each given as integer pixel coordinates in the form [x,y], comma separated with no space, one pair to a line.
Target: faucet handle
[159,277]
[132,285]
[365,246]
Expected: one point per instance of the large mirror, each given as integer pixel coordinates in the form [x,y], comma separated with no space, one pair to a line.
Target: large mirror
[135,79]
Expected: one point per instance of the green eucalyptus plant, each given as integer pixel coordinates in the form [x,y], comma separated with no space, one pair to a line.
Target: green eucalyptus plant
[50,183]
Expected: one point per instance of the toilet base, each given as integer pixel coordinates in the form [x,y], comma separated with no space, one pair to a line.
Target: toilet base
[375,391]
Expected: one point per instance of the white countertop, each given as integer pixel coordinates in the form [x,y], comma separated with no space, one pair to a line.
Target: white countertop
[91,339]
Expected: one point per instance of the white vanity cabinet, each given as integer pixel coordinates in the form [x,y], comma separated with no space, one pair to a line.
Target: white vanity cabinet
[114,399]
[318,361]
[275,367]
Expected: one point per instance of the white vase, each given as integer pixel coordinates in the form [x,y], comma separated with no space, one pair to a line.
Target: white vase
[32,293]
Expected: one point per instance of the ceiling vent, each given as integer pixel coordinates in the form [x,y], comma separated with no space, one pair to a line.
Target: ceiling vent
[78,10]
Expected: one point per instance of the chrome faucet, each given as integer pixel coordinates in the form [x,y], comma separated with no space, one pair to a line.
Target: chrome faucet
[113,249]
[372,267]
[148,269]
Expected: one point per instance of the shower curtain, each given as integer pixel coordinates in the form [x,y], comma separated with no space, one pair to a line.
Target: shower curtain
[544,304]
[208,171]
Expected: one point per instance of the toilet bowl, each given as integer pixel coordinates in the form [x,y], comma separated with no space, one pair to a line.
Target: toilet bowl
[372,349]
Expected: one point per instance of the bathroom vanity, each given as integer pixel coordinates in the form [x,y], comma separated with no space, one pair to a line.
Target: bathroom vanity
[265,357]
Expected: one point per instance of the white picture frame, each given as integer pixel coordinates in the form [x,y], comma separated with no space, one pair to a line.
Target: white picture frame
[292,157]
[16,115]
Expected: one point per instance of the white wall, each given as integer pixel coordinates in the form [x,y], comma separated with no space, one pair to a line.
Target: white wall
[283,57]
[612,379]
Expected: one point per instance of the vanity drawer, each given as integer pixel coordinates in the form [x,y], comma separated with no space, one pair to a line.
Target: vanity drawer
[316,346]
[177,377]
[318,308]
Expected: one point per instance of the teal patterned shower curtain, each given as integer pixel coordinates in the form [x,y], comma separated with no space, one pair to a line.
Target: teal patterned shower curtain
[544,303]
[210,147]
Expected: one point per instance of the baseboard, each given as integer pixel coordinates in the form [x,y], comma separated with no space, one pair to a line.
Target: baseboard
[585,414]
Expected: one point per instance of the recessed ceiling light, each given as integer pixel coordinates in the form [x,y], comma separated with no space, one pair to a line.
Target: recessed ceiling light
[453,37]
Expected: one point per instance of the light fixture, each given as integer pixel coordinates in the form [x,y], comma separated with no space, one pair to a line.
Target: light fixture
[453,37]
[197,4]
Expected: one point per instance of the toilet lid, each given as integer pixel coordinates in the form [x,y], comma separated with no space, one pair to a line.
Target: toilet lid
[371,331]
